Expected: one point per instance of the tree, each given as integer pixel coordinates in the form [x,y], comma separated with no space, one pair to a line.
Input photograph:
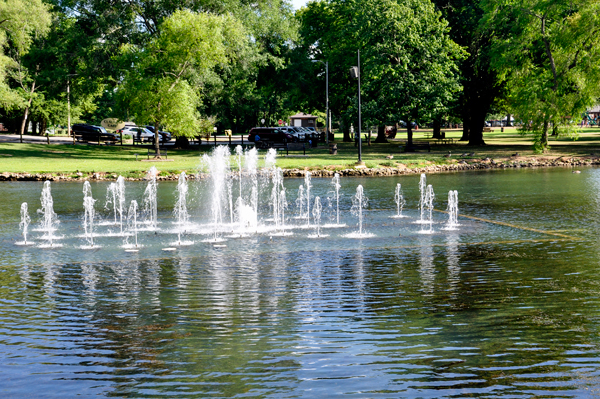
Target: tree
[163,87]
[481,85]
[409,64]
[20,23]
[234,91]
[549,54]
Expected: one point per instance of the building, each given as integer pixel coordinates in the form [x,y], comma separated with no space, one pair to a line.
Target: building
[303,120]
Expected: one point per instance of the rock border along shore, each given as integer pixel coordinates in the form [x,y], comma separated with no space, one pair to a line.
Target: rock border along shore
[401,169]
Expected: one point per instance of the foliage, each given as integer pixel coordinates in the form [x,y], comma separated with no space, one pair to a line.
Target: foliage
[482,90]
[549,54]
[409,64]
[161,86]
[20,23]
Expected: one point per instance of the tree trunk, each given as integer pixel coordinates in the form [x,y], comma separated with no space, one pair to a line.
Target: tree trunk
[34,129]
[554,129]
[466,126]
[346,130]
[437,129]
[476,129]
[156,141]
[381,138]
[409,134]
[544,137]
[26,114]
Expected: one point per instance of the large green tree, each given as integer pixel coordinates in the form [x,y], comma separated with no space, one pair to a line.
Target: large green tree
[236,92]
[161,87]
[549,54]
[482,88]
[20,23]
[409,63]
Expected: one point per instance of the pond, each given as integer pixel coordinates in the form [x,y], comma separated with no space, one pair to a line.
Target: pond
[505,305]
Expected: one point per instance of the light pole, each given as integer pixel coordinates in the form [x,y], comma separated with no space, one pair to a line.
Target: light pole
[355,73]
[327,127]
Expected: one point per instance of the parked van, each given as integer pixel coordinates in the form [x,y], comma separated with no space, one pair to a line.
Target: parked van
[264,137]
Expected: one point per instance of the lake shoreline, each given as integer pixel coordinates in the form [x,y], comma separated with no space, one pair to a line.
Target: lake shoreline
[401,169]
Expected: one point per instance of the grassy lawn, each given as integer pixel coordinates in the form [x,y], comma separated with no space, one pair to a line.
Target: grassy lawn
[61,158]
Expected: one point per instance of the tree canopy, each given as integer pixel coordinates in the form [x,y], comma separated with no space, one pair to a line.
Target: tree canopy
[549,54]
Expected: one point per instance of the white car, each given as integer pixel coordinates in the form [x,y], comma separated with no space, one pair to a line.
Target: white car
[139,133]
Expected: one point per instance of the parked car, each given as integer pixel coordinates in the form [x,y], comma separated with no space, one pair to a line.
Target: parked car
[140,134]
[165,136]
[263,137]
[292,131]
[85,132]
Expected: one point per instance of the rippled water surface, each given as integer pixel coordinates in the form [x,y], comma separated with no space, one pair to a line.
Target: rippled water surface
[505,306]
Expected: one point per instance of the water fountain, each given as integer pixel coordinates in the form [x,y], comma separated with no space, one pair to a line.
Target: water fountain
[150,206]
[336,189]
[25,220]
[307,186]
[428,206]
[359,202]
[88,214]
[423,193]
[180,211]
[300,202]
[277,179]
[317,208]
[400,201]
[132,227]
[218,169]
[115,196]
[247,209]
[452,209]
[49,218]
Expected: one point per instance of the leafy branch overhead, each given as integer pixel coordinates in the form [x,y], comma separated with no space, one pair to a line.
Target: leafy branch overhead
[164,85]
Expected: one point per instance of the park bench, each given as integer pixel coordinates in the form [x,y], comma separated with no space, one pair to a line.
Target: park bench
[160,153]
[417,145]
[445,141]
[488,130]
[295,147]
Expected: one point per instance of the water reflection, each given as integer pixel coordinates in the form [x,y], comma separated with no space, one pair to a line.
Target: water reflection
[487,310]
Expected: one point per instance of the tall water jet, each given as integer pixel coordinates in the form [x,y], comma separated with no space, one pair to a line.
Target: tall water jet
[180,210]
[336,189]
[218,169]
[277,178]
[49,218]
[115,197]
[452,210]
[150,203]
[428,207]
[307,186]
[132,226]
[317,208]
[88,213]
[25,220]
[400,201]
[423,193]
[270,158]
[359,202]
[251,166]
[239,153]
[300,202]
[282,208]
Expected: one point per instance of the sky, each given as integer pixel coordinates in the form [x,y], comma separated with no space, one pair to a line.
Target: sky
[298,3]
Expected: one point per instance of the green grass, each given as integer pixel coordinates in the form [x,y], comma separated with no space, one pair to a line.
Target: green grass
[69,159]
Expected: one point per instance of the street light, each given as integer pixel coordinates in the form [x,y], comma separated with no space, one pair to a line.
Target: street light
[355,73]
[327,127]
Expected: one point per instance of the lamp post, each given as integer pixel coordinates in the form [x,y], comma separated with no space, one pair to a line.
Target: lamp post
[355,73]
[327,127]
